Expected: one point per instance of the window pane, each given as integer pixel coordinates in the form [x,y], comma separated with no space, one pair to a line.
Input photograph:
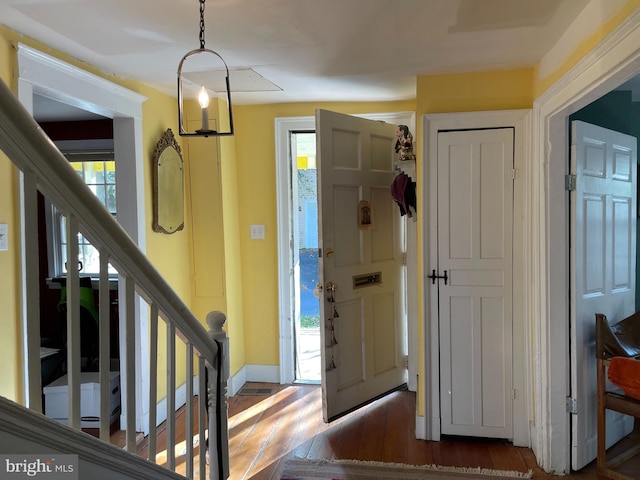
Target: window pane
[63,258]
[98,171]
[100,193]
[110,169]
[91,259]
[63,229]
[93,172]
[111,198]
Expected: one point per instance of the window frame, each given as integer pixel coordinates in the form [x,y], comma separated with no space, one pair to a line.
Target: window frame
[74,151]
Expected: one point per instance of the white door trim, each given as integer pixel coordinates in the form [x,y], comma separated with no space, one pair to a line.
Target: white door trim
[520,121]
[610,64]
[48,76]
[283,179]
[282,127]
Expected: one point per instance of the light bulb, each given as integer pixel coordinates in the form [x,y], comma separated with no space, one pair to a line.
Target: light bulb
[203,98]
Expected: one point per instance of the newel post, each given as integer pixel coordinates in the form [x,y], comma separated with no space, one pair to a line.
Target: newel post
[218,408]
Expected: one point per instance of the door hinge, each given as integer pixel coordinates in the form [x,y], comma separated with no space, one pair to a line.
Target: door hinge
[514,174]
[514,394]
[570,182]
[406,362]
[404,258]
[572,405]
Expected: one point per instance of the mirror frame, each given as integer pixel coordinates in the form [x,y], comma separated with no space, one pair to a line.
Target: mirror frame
[168,185]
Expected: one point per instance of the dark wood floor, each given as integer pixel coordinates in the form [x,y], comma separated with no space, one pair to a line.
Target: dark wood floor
[264,430]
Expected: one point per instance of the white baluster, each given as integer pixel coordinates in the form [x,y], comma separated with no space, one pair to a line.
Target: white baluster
[218,395]
[105,347]
[31,287]
[171,396]
[153,381]
[73,322]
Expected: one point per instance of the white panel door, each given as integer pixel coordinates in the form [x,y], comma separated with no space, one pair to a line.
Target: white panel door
[364,343]
[603,253]
[475,210]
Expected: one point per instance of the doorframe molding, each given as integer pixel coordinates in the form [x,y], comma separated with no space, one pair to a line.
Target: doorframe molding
[614,61]
[283,126]
[520,121]
[41,74]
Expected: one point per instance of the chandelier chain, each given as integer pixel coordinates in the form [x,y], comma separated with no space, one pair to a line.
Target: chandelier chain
[202,24]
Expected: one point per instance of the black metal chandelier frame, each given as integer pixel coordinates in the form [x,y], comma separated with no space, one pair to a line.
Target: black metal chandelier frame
[204,131]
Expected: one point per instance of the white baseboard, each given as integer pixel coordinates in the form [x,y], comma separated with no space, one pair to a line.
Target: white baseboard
[253,373]
[533,433]
[237,381]
[263,373]
[421,428]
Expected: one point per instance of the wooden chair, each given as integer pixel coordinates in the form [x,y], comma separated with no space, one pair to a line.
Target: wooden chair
[620,339]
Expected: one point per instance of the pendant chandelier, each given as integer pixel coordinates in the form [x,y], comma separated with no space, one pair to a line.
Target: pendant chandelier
[201,78]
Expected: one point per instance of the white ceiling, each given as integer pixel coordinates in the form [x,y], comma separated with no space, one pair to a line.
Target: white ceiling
[299,50]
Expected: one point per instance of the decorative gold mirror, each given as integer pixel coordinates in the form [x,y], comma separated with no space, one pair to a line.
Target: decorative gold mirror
[168,185]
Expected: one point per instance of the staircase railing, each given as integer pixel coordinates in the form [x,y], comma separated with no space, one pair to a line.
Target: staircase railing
[44,169]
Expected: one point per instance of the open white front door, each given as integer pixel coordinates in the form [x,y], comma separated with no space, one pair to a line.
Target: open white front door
[362,327]
[603,254]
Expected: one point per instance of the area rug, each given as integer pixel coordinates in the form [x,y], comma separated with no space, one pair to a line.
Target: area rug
[303,469]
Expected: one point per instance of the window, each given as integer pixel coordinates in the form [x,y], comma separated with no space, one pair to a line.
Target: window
[97,169]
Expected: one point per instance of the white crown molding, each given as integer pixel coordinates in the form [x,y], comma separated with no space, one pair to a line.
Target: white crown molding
[34,66]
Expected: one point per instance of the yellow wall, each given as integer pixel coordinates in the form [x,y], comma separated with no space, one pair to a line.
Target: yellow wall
[212,201]
[475,91]
[233,255]
[256,204]
[10,345]
[607,25]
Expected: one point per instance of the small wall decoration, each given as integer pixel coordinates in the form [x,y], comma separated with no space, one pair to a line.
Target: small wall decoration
[365,215]
[404,144]
[168,185]
[403,188]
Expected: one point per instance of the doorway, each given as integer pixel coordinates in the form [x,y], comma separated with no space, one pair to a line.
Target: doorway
[431,424]
[304,249]
[41,74]
[603,256]
[611,63]
[287,268]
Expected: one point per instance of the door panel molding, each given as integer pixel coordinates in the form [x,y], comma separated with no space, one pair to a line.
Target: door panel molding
[523,403]
[356,370]
[476,376]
